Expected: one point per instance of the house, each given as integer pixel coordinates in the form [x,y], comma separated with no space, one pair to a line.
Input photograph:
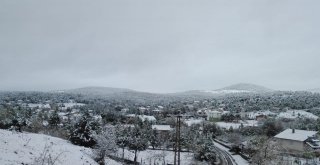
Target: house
[294,140]
[215,114]
[202,113]
[163,131]
[261,117]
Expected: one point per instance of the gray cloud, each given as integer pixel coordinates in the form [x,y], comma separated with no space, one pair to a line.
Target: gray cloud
[160,46]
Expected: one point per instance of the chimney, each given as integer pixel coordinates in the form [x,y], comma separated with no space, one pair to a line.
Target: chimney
[293,130]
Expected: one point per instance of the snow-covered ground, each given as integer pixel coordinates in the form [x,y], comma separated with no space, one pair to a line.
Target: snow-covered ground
[245,123]
[29,148]
[157,156]
[292,114]
[289,114]
[109,161]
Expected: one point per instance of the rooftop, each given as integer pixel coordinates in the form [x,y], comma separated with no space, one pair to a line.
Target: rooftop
[298,135]
[161,127]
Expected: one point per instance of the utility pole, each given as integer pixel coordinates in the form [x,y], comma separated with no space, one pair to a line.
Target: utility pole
[177,147]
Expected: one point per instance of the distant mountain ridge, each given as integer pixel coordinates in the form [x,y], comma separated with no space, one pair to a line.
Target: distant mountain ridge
[315,90]
[247,87]
[98,90]
[236,88]
[129,94]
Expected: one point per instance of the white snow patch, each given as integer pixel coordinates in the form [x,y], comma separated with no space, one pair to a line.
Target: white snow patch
[292,114]
[156,156]
[18,148]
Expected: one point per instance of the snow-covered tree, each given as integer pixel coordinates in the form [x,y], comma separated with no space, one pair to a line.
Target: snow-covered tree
[204,150]
[122,137]
[137,140]
[154,139]
[105,143]
[82,133]
[268,151]
[54,119]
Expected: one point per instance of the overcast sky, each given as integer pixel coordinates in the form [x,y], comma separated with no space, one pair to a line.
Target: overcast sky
[159,46]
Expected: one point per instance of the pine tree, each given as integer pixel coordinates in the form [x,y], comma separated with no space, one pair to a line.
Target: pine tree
[54,119]
[82,134]
[204,150]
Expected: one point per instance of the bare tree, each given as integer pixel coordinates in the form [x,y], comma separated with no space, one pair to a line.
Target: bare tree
[268,153]
[47,157]
[106,144]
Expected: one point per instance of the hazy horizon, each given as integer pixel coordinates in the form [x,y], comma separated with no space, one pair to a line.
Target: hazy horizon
[163,92]
[159,46]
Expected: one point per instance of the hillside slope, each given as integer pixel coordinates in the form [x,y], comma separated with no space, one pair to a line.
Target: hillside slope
[29,148]
[245,87]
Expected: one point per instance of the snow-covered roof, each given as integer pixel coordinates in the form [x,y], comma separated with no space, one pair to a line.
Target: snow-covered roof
[298,135]
[213,111]
[193,121]
[145,117]
[131,115]
[161,127]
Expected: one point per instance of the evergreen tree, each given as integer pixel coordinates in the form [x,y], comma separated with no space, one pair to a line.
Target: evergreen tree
[54,119]
[204,150]
[82,134]
[154,139]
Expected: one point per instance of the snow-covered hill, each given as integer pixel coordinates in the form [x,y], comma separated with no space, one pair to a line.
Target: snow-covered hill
[239,88]
[128,94]
[98,90]
[29,148]
[245,87]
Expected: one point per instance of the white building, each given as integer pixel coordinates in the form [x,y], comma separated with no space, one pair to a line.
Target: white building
[216,114]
